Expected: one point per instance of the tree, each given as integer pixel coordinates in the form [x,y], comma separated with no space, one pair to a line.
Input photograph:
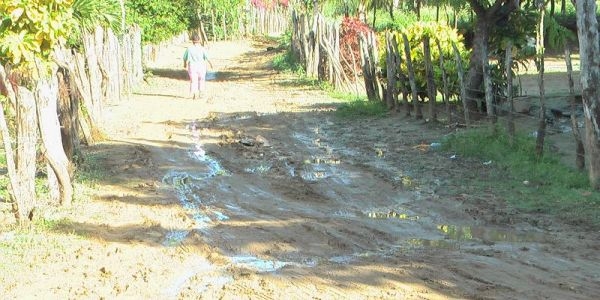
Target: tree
[489,15]
[589,51]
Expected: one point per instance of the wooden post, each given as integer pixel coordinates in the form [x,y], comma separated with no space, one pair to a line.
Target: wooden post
[411,79]
[47,118]
[509,94]
[391,96]
[445,88]
[580,150]
[463,85]
[431,89]
[25,154]
[368,59]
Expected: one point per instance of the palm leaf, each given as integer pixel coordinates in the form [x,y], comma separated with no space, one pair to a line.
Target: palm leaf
[92,13]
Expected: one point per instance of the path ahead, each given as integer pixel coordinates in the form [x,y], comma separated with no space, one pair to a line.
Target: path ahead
[261,192]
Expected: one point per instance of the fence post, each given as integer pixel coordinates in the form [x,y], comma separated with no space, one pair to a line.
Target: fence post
[431,89]
[463,86]
[411,79]
[391,96]
[580,150]
[445,88]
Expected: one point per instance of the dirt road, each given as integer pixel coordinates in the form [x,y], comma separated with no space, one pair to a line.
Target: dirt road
[258,191]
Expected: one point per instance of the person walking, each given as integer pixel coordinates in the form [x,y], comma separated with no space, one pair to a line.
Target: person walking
[195,59]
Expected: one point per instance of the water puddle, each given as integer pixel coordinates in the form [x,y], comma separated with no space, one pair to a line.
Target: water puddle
[343,259]
[188,186]
[259,265]
[399,214]
[344,214]
[260,169]
[436,244]
[469,233]
[324,160]
[175,237]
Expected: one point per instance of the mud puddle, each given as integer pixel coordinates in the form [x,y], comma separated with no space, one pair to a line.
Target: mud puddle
[188,186]
[480,233]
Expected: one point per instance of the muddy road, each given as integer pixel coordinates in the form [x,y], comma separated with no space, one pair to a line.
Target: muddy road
[258,191]
[295,202]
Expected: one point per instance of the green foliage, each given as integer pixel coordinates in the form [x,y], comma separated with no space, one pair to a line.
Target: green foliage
[159,19]
[534,184]
[217,13]
[89,14]
[401,20]
[437,32]
[30,30]
[557,36]
[4,180]
[286,62]
[92,13]
[360,108]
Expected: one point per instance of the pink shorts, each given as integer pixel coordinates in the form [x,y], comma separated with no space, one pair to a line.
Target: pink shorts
[197,73]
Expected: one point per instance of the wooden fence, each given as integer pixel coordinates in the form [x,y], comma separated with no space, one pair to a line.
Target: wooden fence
[316,43]
[108,68]
[266,21]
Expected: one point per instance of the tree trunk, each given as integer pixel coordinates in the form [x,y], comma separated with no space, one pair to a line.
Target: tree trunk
[475,74]
[589,49]
[47,100]
[541,132]
[487,83]
[509,94]
[487,19]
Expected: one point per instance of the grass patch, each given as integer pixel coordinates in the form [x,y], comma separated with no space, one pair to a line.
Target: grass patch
[531,184]
[286,62]
[90,171]
[31,245]
[361,108]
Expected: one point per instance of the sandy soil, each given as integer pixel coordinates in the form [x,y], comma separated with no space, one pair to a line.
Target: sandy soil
[258,191]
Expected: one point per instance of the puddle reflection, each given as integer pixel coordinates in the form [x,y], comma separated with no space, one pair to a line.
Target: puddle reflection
[391,214]
[436,244]
[468,233]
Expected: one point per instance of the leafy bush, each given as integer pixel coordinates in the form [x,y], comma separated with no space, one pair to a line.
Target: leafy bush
[437,32]
[384,21]
[361,108]
[30,30]
[159,19]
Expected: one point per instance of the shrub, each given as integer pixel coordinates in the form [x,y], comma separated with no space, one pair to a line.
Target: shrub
[351,29]
[437,32]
